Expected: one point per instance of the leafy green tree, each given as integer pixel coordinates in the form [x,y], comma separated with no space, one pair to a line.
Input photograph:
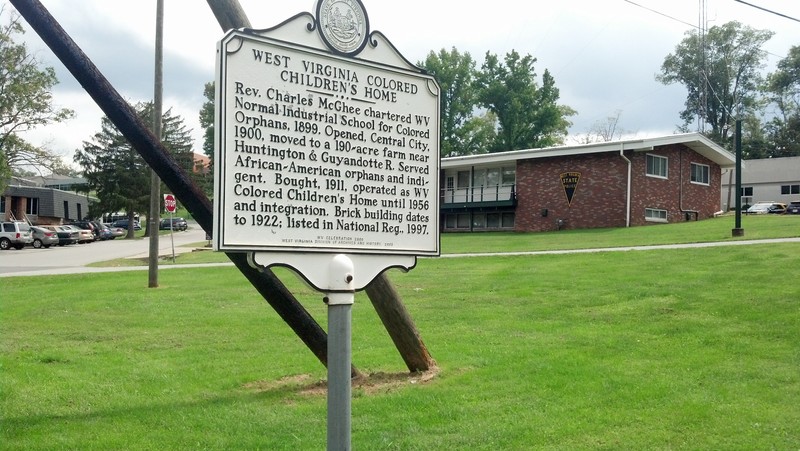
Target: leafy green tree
[477,135]
[462,133]
[722,77]
[528,114]
[207,120]
[783,90]
[117,173]
[26,102]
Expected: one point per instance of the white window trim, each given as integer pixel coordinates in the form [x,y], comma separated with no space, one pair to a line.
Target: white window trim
[708,183]
[666,166]
[648,218]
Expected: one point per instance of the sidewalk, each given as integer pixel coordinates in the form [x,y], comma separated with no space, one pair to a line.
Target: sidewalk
[634,248]
[181,249]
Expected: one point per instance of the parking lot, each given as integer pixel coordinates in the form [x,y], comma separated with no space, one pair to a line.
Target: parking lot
[74,258]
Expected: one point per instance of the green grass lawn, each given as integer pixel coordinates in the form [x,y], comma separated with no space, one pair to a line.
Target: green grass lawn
[667,349]
[712,230]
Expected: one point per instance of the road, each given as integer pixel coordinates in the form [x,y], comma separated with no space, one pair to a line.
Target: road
[74,258]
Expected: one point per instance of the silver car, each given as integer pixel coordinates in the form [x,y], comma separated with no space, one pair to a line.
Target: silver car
[15,234]
[43,238]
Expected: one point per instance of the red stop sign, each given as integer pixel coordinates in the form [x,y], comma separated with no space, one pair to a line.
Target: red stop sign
[170,204]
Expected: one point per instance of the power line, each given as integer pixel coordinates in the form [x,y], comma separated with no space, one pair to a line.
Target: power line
[661,14]
[696,27]
[767,10]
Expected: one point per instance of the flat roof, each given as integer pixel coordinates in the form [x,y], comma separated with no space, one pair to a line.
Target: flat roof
[695,141]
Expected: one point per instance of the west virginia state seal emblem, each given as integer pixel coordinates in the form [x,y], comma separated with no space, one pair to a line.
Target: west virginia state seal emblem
[343,25]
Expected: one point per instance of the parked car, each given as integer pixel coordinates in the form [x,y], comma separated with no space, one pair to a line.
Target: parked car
[103,231]
[87,225]
[116,231]
[15,234]
[762,208]
[65,236]
[177,224]
[84,235]
[777,208]
[123,224]
[793,208]
[43,238]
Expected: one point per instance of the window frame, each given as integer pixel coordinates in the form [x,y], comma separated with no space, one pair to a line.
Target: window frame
[649,217]
[790,190]
[665,160]
[32,206]
[706,172]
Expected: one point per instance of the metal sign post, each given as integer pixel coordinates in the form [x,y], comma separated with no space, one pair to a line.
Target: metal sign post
[340,301]
[327,162]
[171,204]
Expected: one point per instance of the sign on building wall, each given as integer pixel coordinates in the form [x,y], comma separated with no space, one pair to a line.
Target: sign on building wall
[319,151]
[569,180]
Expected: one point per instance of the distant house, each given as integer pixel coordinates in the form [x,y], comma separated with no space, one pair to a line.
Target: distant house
[614,184]
[202,163]
[769,179]
[29,200]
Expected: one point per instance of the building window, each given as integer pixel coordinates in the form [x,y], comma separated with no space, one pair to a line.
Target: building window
[747,191]
[700,174]
[509,176]
[2,204]
[463,179]
[655,215]
[33,206]
[656,166]
[479,221]
[790,189]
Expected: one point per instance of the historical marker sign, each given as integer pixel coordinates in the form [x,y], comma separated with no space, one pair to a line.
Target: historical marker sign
[322,152]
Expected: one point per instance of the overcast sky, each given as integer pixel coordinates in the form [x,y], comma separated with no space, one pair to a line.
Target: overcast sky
[603,54]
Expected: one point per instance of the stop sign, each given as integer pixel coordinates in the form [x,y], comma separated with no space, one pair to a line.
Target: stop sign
[170,204]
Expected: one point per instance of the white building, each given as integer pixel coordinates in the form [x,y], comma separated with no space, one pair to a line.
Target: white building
[769,179]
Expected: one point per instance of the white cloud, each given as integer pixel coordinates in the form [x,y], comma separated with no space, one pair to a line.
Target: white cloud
[603,54]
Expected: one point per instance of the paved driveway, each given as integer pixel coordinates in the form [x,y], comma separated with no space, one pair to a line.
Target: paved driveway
[74,258]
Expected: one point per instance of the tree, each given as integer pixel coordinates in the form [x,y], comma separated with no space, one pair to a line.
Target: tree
[462,132]
[529,115]
[207,120]
[605,130]
[118,174]
[783,90]
[721,72]
[26,102]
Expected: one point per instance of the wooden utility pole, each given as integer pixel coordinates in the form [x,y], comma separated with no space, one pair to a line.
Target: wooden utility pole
[125,118]
[155,181]
[384,297]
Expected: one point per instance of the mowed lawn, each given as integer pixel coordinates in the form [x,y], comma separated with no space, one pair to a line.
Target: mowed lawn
[666,349]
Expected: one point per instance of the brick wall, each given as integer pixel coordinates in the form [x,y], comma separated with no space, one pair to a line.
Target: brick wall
[599,199]
[666,194]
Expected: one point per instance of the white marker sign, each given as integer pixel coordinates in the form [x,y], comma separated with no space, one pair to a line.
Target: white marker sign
[325,153]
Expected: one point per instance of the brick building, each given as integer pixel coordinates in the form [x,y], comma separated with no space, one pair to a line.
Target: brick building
[614,184]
